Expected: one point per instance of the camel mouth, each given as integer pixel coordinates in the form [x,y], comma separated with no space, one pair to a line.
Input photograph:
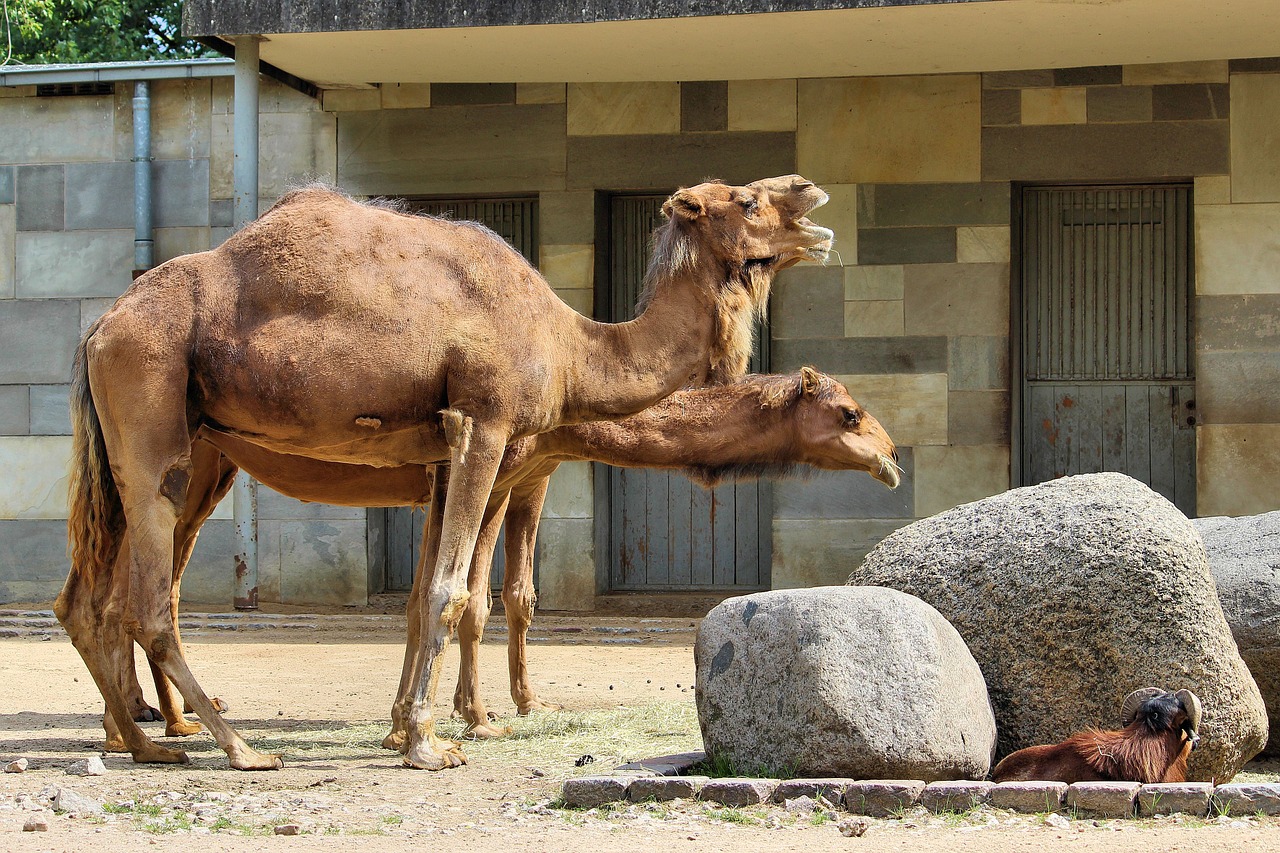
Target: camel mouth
[819,240]
[889,473]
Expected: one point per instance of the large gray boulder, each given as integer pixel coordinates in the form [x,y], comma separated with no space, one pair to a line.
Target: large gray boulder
[1244,556]
[851,682]
[1071,594]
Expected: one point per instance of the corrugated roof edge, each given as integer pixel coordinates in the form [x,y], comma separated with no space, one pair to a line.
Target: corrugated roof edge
[107,72]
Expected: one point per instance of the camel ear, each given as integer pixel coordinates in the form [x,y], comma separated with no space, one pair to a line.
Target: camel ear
[683,204]
[810,381]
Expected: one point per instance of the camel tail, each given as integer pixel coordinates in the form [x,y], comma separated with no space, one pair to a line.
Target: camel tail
[96,513]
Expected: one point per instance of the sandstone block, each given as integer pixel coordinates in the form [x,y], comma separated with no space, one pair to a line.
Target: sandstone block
[588,792]
[738,792]
[1104,799]
[1029,797]
[1247,798]
[955,796]
[664,788]
[1175,797]
[882,797]
[832,790]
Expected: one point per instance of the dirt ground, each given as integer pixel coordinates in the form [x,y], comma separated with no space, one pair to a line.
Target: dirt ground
[320,693]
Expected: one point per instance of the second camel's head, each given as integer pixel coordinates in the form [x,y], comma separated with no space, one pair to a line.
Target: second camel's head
[835,433]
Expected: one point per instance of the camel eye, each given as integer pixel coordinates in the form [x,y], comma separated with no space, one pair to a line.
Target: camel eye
[851,417]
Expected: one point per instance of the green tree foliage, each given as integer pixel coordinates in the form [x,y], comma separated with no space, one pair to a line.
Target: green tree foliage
[49,31]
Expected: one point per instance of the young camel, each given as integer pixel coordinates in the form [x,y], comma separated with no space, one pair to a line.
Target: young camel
[352,333]
[763,425]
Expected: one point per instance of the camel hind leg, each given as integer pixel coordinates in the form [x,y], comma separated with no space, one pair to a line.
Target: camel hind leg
[145,429]
[518,597]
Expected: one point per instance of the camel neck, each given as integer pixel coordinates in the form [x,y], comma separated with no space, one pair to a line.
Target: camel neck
[711,427]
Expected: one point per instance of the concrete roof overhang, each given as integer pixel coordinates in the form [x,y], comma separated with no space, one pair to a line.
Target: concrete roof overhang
[557,41]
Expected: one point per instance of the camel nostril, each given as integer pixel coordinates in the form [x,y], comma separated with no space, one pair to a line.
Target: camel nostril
[895,454]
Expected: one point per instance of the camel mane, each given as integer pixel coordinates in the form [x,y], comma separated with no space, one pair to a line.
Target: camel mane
[774,391]
[739,304]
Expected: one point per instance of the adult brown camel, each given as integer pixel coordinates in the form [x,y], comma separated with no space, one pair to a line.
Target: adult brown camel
[763,425]
[353,333]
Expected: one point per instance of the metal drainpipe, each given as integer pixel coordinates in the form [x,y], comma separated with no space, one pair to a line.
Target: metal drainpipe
[244,495]
[143,236]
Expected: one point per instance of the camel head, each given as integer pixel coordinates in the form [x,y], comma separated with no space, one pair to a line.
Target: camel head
[836,434]
[760,226]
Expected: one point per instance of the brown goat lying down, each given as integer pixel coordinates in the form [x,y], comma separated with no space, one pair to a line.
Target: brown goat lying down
[1160,730]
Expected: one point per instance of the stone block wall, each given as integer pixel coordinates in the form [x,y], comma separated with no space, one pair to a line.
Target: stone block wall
[912,312]
[66,253]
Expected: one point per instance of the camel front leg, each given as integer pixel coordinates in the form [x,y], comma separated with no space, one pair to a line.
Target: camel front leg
[398,737]
[466,700]
[518,596]
[470,482]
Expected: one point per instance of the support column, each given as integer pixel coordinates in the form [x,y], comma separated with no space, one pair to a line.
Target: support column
[244,494]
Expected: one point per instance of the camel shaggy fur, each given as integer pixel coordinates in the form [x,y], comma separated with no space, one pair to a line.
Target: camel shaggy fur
[351,333]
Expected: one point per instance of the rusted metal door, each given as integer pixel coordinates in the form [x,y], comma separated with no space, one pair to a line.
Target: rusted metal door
[666,533]
[516,221]
[1106,302]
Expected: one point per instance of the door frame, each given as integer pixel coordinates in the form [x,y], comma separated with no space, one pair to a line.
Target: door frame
[1016,378]
[602,492]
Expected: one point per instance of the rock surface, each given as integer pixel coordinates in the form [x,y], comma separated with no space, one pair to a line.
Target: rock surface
[1072,593]
[852,682]
[1244,555]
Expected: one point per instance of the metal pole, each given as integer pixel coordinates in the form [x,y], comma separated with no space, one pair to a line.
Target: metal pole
[244,494]
[143,236]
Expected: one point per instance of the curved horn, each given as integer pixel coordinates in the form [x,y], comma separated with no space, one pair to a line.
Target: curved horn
[1132,702]
[1191,702]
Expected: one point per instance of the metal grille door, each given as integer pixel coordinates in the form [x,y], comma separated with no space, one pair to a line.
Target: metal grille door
[665,532]
[516,221]
[1108,382]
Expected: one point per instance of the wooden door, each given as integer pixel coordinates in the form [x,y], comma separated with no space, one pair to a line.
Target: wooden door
[516,221]
[665,533]
[1106,302]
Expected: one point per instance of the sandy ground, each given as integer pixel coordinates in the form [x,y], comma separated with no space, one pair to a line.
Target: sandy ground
[321,696]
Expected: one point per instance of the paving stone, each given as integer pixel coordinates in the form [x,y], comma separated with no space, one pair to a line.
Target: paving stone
[663,788]
[1241,798]
[1104,799]
[738,792]
[955,796]
[832,790]
[1029,797]
[882,797]
[1173,797]
[587,792]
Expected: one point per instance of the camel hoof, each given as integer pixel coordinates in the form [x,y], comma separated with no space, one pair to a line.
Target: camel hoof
[182,729]
[147,715]
[395,739]
[155,754]
[486,731]
[257,761]
[537,705]
[435,754]
[115,744]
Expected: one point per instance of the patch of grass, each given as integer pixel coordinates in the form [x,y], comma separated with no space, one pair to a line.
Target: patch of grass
[727,814]
[177,822]
[820,818]
[611,735]
[393,819]
[721,766]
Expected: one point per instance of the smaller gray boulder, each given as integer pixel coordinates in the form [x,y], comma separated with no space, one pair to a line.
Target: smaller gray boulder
[850,682]
[1244,556]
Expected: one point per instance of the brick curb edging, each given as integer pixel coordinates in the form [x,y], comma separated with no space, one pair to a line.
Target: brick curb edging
[660,779]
